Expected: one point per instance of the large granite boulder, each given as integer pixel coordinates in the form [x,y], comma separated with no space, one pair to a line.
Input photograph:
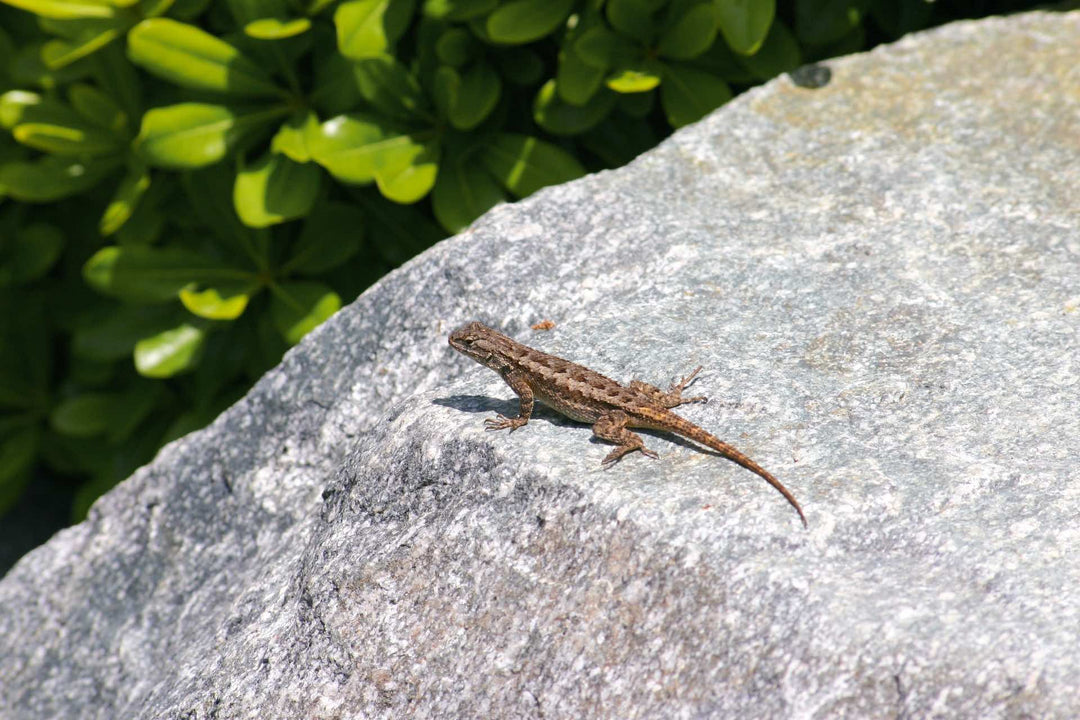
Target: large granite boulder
[882,280]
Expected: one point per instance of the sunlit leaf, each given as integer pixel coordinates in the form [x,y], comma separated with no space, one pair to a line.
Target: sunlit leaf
[192,135]
[124,201]
[369,28]
[222,302]
[277,29]
[193,58]
[66,9]
[170,352]
[274,189]
[291,139]
[297,308]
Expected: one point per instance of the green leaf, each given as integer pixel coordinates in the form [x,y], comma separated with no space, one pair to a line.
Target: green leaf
[819,22]
[561,118]
[170,352]
[130,410]
[192,58]
[151,274]
[524,164]
[359,148]
[51,177]
[632,18]
[521,21]
[467,99]
[192,135]
[407,171]
[113,335]
[640,77]
[66,139]
[30,253]
[49,125]
[389,87]
[637,105]
[691,34]
[689,94]
[85,36]
[124,201]
[20,106]
[297,308]
[602,49]
[617,143]
[455,47]
[457,9]
[18,450]
[26,350]
[576,80]
[210,205]
[331,235]
[396,232]
[275,189]
[745,23]
[464,191]
[520,65]
[66,9]
[899,19]
[244,12]
[291,139]
[720,60]
[369,28]
[83,415]
[779,54]
[223,302]
[335,90]
[349,145]
[277,29]
[480,89]
[97,107]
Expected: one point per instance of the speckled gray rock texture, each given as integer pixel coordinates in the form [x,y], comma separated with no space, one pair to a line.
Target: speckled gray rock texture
[882,280]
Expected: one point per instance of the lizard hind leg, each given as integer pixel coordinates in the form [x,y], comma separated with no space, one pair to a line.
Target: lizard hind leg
[673,397]
[612,428]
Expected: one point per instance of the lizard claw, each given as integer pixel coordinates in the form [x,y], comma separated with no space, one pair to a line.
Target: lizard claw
[615,455]
[501,422]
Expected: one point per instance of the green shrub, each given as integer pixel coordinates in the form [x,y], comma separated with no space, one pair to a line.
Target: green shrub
[188,187]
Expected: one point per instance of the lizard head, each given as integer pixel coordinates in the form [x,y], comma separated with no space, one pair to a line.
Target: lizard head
[476,340]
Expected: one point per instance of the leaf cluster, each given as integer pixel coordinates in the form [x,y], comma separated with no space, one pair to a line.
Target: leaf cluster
[188,187]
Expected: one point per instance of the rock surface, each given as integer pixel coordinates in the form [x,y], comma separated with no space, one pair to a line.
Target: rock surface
[882,280]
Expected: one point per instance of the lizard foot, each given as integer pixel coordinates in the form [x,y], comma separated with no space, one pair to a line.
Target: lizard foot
[501,422]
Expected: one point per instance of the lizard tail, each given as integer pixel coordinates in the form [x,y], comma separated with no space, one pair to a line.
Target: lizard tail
[738,458]
[688,429]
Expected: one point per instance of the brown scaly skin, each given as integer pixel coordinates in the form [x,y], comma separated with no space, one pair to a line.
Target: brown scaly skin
[587,396]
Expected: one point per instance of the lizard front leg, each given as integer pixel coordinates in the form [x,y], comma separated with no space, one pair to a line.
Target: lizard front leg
[673,397]
[516,380]
[612,427]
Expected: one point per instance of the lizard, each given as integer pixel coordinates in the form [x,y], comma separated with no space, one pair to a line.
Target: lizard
[587,396]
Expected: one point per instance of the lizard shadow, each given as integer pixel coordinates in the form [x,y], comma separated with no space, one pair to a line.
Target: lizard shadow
[509,408]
